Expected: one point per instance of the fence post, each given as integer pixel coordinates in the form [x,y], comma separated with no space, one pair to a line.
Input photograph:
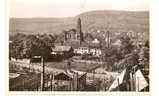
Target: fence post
[57,84]
[134,77]
[23,84]
[51,81]
[37,86]
[138,84]
[118,85]
[42,74]
[131,81]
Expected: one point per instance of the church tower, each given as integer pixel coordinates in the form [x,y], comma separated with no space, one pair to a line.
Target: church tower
[79,30]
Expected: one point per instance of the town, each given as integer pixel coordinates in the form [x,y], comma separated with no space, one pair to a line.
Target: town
[79,61]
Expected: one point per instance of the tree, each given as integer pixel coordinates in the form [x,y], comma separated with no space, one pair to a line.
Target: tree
[144,55]
[39,48]
[128,54]
[110,57]
[31,45]
[128,61]
[16,49]
[127,46]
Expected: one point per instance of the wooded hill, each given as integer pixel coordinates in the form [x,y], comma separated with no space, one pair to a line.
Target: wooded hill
[117,21]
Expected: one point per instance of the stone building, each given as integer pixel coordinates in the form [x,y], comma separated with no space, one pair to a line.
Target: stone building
[74,34]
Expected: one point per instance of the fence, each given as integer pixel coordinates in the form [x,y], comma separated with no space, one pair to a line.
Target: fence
[88,61]
[32,83]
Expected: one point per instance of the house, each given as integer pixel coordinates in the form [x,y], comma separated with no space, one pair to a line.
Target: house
[22,60]
[62,52]
[96,41]
[92,49]
[96,52]
[117,44]
[95,48]
[33,59]
[88,38]
[81,50]
[71,80]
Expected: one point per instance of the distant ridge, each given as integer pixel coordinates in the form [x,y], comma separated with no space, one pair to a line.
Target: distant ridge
[91,22]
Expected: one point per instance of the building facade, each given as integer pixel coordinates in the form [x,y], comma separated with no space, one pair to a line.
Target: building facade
[74,34]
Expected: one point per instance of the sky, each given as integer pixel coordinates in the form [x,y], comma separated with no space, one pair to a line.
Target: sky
[69,8]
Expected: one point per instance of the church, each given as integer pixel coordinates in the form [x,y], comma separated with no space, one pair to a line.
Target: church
[80,43]
[74,35]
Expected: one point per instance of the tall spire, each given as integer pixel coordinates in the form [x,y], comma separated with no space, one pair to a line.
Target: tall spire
[79,26]
[79,29]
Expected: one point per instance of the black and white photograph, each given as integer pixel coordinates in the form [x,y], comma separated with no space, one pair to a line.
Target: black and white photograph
[79,46]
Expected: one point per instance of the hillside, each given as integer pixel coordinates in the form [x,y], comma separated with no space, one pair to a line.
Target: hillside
[91,21]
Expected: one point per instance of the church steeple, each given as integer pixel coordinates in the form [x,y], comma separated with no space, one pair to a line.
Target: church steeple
[79,29]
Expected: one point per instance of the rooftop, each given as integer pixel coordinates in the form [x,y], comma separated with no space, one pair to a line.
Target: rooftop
[61,48]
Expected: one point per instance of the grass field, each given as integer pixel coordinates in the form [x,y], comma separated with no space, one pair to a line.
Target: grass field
[75,65]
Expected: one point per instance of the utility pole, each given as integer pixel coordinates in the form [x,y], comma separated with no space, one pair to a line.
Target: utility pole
[42,74]
[51,76]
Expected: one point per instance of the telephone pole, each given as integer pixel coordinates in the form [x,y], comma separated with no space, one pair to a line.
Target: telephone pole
[42,74]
